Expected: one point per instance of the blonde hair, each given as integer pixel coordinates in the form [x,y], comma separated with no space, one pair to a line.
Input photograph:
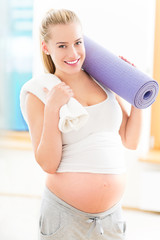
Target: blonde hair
[52,18]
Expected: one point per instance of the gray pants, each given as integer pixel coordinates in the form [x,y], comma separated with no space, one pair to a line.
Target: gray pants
[61,221]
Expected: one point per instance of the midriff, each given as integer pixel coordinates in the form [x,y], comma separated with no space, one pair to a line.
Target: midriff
[88,192]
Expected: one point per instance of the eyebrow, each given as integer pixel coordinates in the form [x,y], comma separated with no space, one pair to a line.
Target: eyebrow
[67,42]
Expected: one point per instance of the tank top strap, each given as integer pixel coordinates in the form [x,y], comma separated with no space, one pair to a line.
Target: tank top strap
[109,93]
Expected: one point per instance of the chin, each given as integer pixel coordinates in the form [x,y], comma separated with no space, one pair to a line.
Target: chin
[71,72]
[74,70]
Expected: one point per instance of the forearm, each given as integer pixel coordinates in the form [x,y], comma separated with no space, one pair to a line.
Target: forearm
[49,150]
[133,128]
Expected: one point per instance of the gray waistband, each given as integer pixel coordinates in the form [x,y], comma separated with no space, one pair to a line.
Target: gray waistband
[94,218]
[51,197]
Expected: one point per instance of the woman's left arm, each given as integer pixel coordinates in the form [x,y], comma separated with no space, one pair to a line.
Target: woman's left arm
[130,129]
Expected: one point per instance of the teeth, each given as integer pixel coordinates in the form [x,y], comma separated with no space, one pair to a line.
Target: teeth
[73,62]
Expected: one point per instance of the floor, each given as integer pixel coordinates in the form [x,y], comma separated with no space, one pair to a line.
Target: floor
[19,220]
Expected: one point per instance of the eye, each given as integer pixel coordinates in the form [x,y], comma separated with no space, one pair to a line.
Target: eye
[62,46]
[78,43]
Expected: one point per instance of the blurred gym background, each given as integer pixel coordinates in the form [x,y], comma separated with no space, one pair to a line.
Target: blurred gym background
[130,28]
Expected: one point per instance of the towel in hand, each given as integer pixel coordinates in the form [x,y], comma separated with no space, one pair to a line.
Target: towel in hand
[72,115]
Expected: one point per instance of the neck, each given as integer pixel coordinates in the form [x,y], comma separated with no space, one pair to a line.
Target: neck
[70,79]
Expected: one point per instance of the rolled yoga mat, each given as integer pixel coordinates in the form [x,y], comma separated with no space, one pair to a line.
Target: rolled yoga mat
[112,72]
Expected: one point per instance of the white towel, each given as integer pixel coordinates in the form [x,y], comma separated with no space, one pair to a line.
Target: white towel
[72,115]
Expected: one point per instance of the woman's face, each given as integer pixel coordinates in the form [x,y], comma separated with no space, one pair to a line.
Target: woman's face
[66,48]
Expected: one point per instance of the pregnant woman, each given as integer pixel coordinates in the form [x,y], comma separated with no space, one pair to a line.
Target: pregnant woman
[85,168]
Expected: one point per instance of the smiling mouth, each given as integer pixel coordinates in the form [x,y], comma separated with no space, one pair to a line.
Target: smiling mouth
[72,62]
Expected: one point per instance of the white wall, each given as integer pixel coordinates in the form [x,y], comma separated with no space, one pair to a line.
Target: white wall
[126,28]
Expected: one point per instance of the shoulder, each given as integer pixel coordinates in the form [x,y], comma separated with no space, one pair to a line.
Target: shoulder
[32,95]
[33,101]
[34,107]
[47,80]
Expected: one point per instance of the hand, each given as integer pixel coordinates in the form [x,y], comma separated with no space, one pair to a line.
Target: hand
[127,61]
[58,95]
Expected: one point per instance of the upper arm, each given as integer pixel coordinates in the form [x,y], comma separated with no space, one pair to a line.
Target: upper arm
[125,116]
[35,117]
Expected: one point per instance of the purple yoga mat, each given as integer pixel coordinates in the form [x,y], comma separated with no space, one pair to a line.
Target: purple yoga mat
[112,72]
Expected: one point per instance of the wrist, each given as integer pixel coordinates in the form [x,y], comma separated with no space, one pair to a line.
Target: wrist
[52,109]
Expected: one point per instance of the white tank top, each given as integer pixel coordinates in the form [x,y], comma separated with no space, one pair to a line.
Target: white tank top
[97,146]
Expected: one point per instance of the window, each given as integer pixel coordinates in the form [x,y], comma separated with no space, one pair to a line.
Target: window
[153,155]
[155,115]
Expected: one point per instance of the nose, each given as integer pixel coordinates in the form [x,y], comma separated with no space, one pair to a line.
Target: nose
[72,53]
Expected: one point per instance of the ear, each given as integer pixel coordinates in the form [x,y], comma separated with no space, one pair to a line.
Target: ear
[44,48]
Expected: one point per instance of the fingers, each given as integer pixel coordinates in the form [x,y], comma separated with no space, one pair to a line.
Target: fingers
[62,86]
[126,60]
[45,90]
[57,86]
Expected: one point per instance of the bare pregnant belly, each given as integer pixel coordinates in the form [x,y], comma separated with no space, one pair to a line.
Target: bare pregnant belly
[88,192]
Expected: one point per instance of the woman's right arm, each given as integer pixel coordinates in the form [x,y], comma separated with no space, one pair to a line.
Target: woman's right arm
[43,126]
